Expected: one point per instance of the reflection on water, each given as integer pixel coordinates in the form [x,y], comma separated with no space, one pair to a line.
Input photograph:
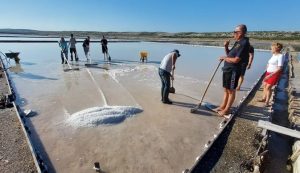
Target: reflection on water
[193,68]
[132,61]
[35,76]
[27,63]
[17,69]
[71,80]
[42,61]
[105,76]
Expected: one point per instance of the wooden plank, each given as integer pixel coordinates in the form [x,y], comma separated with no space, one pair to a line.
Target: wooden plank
[278,129]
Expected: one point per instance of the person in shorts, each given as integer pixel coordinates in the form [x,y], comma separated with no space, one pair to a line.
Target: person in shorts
[72,44]
[86,47]
[104,47]
[273,73]
[246,65]
[232,67]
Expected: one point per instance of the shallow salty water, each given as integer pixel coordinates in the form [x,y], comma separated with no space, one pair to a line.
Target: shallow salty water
[40,62]
[40,65]
[44,87]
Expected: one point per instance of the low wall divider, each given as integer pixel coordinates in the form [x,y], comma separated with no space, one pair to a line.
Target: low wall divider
[25,129]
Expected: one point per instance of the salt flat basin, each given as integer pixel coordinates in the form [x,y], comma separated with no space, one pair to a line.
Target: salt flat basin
[160,138]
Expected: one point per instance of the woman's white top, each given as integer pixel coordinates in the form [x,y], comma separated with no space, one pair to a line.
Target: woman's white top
[274,62]
[166,63]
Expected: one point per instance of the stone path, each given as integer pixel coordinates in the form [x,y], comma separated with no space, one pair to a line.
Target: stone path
[15,155]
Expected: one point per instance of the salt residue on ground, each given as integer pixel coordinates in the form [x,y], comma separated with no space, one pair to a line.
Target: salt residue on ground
[125,70]
[95,116]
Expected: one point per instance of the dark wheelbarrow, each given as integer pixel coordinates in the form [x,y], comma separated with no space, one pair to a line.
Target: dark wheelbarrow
[13,55]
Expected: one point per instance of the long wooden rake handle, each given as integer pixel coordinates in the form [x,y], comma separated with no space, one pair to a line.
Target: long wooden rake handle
[199,104]
[67,61]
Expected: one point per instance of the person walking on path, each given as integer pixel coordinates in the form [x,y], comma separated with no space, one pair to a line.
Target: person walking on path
[274,70]
[232,67]
[86,47]
[166,72]
[64,50]
[246,65]
[72,44]
[104,48]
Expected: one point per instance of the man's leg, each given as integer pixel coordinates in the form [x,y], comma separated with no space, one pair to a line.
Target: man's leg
[71,52]
[241,80]
[224,102]
[75,52]
[231,98]
[226,84]
[231,83]
[106,50]
[62,57]
[86,53]
[162,84]
[242,74]
[166,90]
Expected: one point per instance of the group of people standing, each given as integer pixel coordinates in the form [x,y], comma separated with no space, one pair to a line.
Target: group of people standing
[237,60]
[86,48]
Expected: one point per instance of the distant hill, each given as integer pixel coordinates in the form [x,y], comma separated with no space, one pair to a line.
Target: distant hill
[18,31]
[154,36]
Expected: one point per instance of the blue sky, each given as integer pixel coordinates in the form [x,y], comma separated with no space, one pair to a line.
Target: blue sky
[150,15]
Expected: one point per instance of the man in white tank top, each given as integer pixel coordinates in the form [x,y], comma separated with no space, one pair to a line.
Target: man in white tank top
[166,72]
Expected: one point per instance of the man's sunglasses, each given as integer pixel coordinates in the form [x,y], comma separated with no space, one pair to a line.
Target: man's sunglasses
[236,32]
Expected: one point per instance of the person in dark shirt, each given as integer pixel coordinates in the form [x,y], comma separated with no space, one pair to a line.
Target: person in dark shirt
[104,48]
[232,67]
[86,47]
[246,65]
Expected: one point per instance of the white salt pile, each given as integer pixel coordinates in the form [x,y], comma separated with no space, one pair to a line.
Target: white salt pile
[95,116]
[114,73]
